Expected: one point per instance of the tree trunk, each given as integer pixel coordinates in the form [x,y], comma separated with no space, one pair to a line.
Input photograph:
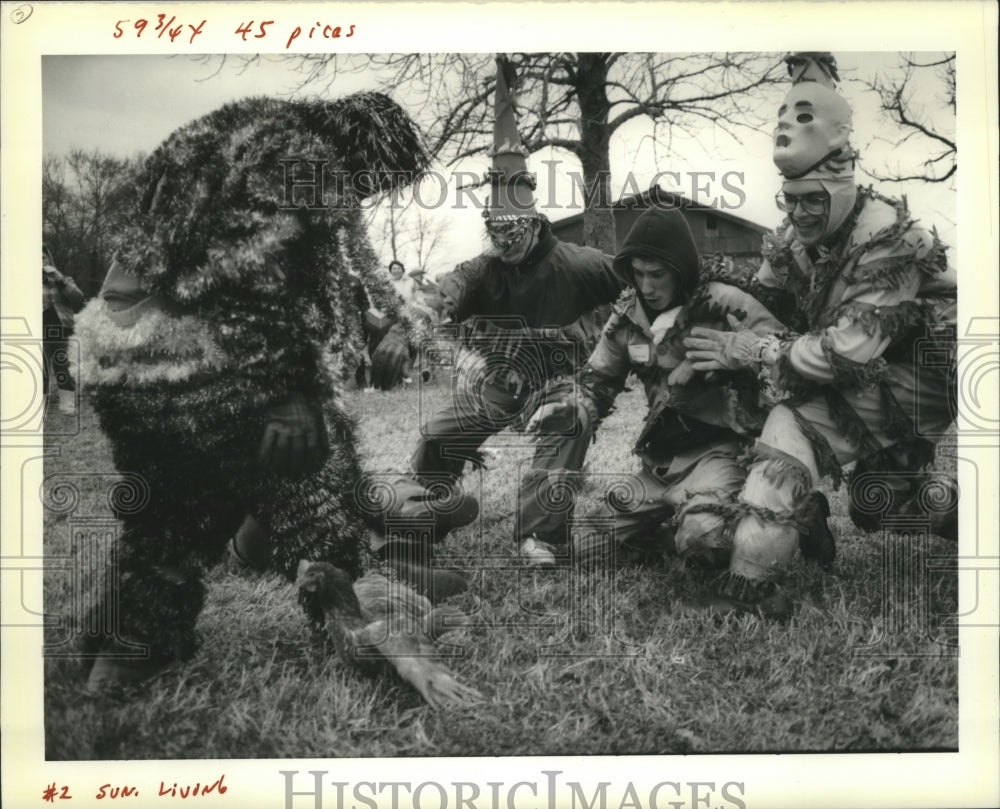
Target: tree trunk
[595,138]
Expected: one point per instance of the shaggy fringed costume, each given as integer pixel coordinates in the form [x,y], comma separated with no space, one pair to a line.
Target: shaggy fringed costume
[240,315]
[852,385]
[870,295]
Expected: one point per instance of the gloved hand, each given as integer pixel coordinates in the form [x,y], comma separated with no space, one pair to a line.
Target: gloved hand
[711,350]
[295,439]
[390,358]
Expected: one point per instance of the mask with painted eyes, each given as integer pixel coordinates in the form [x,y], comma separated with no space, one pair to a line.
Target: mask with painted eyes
[814,124]
[506,233]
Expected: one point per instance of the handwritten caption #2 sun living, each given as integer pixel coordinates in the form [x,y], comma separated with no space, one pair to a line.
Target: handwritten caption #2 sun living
[164,27]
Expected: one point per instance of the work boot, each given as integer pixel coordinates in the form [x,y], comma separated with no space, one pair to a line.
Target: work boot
[875,491]
[251,545]
[416,509]
[937,499]
[816,541]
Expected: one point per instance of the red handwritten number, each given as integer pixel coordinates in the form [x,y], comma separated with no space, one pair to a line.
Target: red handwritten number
[164,27]
[247,28]
[118,29]
[140,26]
[195,31]
[49,793]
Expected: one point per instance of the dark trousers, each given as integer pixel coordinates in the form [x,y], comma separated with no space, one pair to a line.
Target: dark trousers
[456,433]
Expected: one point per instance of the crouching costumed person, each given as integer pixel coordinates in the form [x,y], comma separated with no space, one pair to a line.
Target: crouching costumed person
[866,290]
[212,354]
[695,431]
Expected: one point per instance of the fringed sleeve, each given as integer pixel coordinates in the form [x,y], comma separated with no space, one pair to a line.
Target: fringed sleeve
[849,351]
[603,377]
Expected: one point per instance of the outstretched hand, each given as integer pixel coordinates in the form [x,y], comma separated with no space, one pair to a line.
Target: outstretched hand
[295,439]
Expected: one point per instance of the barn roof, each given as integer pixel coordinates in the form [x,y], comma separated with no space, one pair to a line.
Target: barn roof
[665,197]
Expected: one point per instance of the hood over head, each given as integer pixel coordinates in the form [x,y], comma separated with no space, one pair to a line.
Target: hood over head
[661,233]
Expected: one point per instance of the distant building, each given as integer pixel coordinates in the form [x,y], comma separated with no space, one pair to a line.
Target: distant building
[715,230]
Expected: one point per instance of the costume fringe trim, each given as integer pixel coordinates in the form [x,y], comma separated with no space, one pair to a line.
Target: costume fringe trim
[159,348]
[826,459]
[850,374]
[891,321]
[781,469]
[735,585]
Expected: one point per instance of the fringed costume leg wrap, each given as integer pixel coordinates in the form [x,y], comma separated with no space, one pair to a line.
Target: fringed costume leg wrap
[765,532]
[702,527]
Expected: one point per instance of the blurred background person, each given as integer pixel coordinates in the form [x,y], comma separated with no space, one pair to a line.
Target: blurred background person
[61,298]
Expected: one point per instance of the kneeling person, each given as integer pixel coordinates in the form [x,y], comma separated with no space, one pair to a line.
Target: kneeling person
[695,429]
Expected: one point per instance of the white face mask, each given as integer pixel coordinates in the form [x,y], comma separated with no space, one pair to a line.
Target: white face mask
[813,123]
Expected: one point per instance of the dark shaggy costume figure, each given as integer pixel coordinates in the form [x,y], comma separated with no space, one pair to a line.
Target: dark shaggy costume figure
[238,321]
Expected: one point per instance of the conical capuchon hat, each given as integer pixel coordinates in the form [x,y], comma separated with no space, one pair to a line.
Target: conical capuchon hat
[512,186]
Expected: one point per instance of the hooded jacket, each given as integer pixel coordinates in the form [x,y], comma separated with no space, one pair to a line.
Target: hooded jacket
[683,419]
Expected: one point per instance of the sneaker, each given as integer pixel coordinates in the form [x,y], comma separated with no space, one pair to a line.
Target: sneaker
[816,541]
[536,553]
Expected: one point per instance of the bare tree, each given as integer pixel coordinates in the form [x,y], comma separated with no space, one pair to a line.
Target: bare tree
[574,102]
[84,199]
[408,233]
[918,95]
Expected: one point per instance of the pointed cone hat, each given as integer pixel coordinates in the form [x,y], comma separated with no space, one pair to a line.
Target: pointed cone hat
[512,187]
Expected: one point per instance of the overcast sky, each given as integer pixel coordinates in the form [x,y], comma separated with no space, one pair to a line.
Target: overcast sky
[125,105]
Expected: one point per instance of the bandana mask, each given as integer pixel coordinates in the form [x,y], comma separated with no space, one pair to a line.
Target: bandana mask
[505,233]
[814,123]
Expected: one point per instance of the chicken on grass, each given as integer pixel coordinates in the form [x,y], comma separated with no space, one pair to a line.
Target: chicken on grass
[375,621]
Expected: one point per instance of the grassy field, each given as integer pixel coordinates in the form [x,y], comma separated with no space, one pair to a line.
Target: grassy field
[861,666]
